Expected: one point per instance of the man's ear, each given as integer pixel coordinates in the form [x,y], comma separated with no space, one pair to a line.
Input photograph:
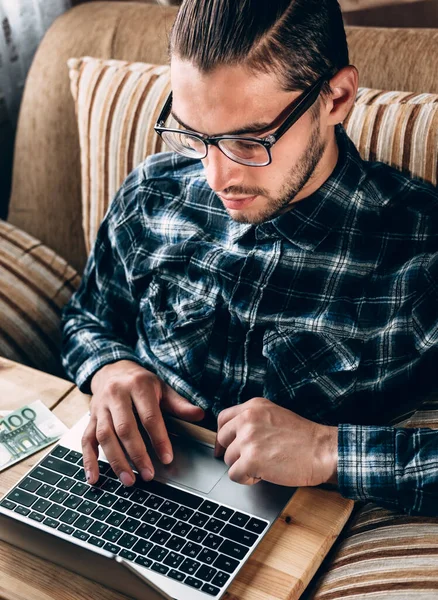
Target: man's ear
[343,94]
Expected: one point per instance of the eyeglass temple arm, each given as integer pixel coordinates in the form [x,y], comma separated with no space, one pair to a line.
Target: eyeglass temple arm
[165,110]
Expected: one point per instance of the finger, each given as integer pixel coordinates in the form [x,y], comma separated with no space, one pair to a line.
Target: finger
[128,434]
[149,412]
[175,404]
[107,438]
[232,454]
[90,451]
[241,472]
[226,436]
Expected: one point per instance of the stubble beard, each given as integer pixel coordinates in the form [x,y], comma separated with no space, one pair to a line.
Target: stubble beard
[296,180]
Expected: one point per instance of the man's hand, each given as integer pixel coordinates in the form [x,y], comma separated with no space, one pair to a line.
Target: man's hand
[116,387]
[265,441]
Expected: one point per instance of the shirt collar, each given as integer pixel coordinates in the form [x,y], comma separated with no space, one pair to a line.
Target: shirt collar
[311,219]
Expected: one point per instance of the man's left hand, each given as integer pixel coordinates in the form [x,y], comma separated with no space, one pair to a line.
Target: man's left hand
[265,441]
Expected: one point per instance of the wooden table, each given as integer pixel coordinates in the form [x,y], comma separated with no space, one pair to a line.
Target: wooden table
[280,568]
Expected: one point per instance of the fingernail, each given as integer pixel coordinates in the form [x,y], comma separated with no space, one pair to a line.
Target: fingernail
[146,474]
[126,478]
[167,458]
[89,476]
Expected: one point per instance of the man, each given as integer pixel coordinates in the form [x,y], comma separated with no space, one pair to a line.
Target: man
[262,274]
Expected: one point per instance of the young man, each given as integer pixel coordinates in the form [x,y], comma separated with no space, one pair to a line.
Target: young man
[262,274]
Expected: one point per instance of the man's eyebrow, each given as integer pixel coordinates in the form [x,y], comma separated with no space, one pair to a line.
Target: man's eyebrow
[252,128]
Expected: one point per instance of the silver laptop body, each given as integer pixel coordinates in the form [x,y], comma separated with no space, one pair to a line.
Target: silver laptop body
[187,544]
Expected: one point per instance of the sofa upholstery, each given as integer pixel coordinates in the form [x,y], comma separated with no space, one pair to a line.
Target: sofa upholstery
[381,553]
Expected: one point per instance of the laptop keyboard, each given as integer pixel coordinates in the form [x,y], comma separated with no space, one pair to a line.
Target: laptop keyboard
[179,534]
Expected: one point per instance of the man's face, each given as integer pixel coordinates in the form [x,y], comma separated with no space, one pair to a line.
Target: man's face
[232,99]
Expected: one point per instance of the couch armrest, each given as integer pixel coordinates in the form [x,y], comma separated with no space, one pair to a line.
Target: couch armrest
[35,283]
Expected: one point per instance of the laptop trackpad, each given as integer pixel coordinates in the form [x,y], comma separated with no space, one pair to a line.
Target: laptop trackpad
[193,465]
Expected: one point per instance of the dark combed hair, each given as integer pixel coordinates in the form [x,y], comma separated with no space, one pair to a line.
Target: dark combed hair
[297,40]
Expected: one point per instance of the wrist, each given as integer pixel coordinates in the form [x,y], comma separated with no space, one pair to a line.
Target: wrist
[329,455]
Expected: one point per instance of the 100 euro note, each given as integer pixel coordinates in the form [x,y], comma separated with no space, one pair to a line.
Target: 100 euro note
[26,431]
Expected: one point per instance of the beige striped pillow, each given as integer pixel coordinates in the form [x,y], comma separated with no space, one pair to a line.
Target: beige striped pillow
[117,104]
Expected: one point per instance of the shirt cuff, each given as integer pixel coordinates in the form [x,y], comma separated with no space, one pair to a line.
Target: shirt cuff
[366,463]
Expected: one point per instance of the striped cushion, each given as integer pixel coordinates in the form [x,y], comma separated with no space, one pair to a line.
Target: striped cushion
[117,104]
[35,284]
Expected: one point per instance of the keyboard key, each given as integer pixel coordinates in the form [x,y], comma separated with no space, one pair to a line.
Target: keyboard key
[214,525]
[224,563]
[207,556]
[173,559]
[127,540]
[22,497]
[130,525]
[79,489]
[66,529]
[190,566]
[59,466]
[127,554]
[58,496]
[191,549]
[256,525]
[8,504]
[80,476]
[54,511]
[160,568]
[45,475]
[220,579]
[233,549]
[183,513]
[112,534]
[69,516]
[37,517]
[59,451]
[176,575]
[105,469]
[21,510]
[51,522]
[110,485]
[142,547]
[100,513]
[160,537]
[29,484]
[136,511]
[158,553]
[41,505]
[213,541]
[151,516]
[74,457]
[210,589]
[45,490]
[86,507]
[124,492]
[196,535]
[139,496]
[72,501]
[198,519]
[65,483]
[94,494]
[96,542]
[208,507]
[166,522]
[98,528]
[107,499]
[176,543]
[206,573]
[239,519]
[224,513]
[145,530]
[154,501]
[196,583]
[168,507]
[112,548]
[181,528]
[142,560]
[239,535]
[83,522]
[115,519]
[81,535]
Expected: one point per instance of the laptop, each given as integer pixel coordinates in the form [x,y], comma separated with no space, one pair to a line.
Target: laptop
[185,535]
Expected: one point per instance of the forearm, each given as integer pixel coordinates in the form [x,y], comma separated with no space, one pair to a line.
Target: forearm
[394,467]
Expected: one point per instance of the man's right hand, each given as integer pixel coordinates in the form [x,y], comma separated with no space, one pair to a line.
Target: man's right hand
[115,388]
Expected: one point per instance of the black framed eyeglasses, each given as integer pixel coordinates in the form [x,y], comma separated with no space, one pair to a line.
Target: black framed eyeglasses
[246,150]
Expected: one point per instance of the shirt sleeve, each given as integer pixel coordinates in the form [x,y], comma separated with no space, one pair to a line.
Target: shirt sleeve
[391,466]
[98,323]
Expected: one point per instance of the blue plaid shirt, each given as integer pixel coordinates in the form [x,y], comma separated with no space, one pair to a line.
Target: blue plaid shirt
[329,310]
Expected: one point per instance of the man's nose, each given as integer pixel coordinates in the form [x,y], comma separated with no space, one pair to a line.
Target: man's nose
[220,171]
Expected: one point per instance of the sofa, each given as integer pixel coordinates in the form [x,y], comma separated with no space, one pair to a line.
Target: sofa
[44,242]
